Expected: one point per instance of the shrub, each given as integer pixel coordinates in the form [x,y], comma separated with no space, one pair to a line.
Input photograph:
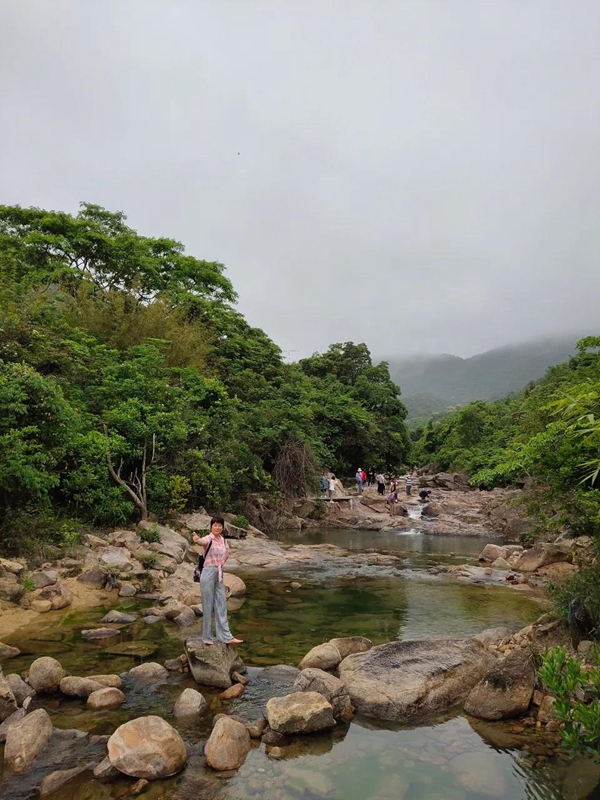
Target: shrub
[566,679]
[27,583]
[240,521]
[150,535]
[147,560]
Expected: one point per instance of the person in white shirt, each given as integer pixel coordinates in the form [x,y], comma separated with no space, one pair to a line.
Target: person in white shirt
[331,486]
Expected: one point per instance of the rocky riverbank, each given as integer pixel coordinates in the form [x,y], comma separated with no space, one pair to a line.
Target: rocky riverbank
[492,676]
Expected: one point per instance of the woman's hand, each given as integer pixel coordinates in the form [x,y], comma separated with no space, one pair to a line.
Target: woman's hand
[196,539]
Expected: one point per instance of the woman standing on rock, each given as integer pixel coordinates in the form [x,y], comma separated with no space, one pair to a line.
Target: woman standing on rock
[212,586]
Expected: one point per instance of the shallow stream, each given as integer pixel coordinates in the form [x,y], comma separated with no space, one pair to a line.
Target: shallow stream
[448,758]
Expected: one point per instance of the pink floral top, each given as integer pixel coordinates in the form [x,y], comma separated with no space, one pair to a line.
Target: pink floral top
[217,553]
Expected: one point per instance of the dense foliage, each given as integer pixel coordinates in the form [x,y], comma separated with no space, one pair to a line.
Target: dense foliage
[130,385]
[549,438]
[577,703]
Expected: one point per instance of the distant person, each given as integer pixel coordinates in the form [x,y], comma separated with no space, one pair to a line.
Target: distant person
[408,484]
[364,477]
[424,494]
[380,483]
[371,477]
[359,481]
[392,500]
[331,486]
[324,484]
[394,484]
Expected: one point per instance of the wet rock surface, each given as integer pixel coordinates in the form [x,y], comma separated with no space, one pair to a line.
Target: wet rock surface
[410,680]
[147,747]
[212,665]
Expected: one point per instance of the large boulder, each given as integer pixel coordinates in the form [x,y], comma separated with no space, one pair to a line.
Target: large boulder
[147,747]
[167,535]
[332,689]
[505,691]
[26,740]
[542,554]
[228,744]
[8,701]
[190,703]
[117,559]
[323,656]
[408,680]
[300,712]
[212,665]
[45,675]
[491,552]
[94,577]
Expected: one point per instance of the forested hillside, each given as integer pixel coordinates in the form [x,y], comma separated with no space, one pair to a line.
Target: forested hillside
[130,385]
[550,433]
[432,384]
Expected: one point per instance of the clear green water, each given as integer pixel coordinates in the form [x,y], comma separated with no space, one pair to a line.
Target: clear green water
[447,759]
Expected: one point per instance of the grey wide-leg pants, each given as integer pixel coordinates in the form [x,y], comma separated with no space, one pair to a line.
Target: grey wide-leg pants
[214,598]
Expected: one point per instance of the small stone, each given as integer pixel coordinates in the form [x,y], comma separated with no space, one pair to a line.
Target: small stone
[235,676]
[108,697]
[105,771]
[237,690]
[273,738]
[45,674]
[79,687]
[190,704]
[296,585]
[583,648]
[6,651]
[41,606]
[275,752]
[127,590]
[139,787]
[100,633]
[150,671]
[118,617]
[107,680]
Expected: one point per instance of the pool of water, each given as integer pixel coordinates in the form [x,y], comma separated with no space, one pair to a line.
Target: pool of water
[449,758]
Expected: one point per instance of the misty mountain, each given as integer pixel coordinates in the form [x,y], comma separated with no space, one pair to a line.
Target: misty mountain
[432,383]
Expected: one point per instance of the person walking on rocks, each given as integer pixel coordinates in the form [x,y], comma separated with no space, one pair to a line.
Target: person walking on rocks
[331,486]
[408,482]
[212,585]
[371,476]
[380,483]
[359,480]
[324,485]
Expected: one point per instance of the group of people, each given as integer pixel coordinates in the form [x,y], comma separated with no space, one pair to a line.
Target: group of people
[371,478]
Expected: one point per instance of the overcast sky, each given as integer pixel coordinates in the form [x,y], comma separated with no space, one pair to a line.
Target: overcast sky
[422,175]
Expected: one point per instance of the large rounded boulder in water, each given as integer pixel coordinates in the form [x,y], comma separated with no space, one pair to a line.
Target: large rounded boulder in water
[147,747]
[408,680]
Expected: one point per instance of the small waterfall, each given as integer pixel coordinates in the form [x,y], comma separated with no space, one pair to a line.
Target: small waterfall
[415,512]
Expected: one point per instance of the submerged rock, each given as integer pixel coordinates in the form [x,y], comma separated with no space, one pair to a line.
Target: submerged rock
[505,691]
[45,675]
[407,680]
[59,778]
[228,744]
[118,617]
[212,665]
[147,747]
[26,740]
[300,712]
[6,651]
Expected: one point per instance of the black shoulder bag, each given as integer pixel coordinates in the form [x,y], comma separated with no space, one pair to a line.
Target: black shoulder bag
[200,565]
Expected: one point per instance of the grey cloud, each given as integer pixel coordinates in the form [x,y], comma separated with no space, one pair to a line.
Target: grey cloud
[420,176]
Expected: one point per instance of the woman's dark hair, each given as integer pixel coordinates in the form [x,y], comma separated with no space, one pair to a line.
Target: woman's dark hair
[218,520]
